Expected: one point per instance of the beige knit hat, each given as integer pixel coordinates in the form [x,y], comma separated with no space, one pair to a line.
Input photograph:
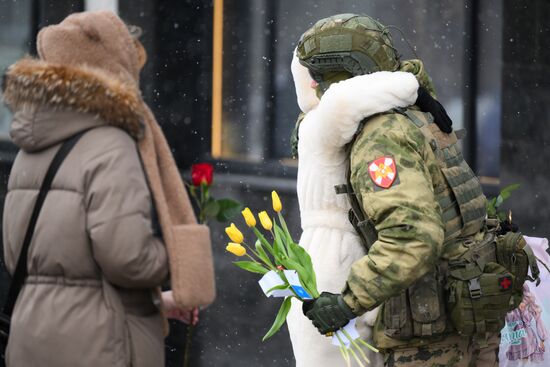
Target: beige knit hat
[98,39]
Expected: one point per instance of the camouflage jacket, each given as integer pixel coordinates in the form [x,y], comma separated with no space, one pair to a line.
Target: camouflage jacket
[433,201]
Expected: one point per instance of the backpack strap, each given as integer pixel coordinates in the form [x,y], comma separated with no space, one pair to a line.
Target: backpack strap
[363,225]
[21,270]
[532,259]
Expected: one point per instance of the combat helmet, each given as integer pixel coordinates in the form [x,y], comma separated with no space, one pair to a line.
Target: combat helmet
[351,43]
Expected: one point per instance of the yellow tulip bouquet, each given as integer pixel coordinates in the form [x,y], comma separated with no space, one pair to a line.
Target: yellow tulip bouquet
[287,271]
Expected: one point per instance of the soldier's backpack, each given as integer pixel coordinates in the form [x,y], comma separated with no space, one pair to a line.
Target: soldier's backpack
[482,288]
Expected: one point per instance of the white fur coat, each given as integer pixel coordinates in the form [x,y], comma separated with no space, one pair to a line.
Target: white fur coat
[330,239]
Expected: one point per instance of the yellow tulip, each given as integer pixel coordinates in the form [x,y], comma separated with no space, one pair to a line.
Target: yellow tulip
[236,249]
[234,234]
[249,217]
[265,220]
[277,206]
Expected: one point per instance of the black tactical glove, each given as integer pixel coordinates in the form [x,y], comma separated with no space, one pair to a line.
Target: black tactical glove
[328,313]
[507,226]
[510,227]
[427,103]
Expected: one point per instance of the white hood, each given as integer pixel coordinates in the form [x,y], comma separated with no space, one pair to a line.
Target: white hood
[307,98]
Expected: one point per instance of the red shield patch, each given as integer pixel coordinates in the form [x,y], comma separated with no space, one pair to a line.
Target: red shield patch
[383,172]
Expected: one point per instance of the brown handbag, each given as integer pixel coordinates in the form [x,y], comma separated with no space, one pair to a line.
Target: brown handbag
[191,266]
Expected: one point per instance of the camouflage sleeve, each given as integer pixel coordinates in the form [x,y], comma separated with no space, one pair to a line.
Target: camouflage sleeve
[406,215]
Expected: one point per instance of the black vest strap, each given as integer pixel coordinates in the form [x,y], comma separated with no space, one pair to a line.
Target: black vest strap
[363,225]
[21,271]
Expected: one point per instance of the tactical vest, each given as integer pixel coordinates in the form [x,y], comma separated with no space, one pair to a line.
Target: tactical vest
[464,293]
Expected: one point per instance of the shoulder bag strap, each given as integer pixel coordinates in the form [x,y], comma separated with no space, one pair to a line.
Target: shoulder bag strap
[21,269]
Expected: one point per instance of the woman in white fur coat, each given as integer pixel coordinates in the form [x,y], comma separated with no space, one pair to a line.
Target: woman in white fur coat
[329,124]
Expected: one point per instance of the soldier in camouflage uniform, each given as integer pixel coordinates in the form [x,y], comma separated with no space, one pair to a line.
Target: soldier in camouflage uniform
[415,202]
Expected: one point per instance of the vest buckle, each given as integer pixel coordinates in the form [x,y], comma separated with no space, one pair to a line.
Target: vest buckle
[475,288]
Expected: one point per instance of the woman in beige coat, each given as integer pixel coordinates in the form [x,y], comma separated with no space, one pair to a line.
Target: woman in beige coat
[95,259]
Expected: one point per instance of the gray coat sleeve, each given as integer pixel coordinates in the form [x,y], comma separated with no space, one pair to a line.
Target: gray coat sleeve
[118,206]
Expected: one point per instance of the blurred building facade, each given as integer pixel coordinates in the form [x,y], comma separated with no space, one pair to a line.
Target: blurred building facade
[218,79]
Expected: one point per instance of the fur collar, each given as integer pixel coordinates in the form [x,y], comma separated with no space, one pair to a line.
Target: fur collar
[31,83]
[334,122]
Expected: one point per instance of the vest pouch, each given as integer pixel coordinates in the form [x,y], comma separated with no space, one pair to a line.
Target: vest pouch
[417,312]
[427,303]
[478,301]
[397,317]
[515,255]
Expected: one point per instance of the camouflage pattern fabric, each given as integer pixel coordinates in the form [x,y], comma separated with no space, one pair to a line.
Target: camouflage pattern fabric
[349,33]
[406,215]
[416,67]
[454,351]
[434,203]
[357,44]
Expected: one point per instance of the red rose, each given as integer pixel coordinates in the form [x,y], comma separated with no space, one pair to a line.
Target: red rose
[202,172]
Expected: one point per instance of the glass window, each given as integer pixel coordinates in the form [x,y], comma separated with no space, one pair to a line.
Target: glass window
[15,36]
[489,87]
[258,104]
[248,99]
